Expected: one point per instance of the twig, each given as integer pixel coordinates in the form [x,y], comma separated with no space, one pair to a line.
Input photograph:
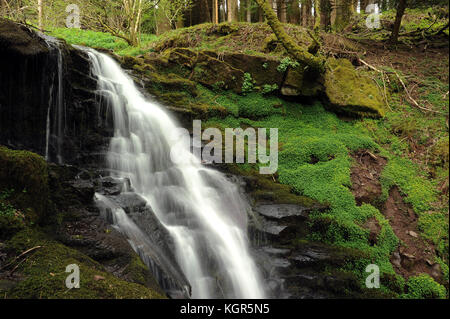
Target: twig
[382,76]
[412,99]
[21,255]
[369,66]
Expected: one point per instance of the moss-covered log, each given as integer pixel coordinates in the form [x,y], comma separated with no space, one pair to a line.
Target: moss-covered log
[299,53]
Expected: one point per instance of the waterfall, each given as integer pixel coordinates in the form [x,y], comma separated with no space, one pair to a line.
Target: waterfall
[55,127]
[202,211]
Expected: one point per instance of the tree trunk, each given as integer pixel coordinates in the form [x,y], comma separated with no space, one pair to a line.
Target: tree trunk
[325,14]
[294,12]
[282,10]
[249,11]
[215,12]
[206,11]
[40,14]
[398,20]
[341,13]
[363,5]
[316,16]
[306,13]
[232,10]
[296,51]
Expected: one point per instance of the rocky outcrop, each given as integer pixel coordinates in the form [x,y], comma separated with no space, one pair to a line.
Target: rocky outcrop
[341,88]
[47,99]
[349,92]
[51,207]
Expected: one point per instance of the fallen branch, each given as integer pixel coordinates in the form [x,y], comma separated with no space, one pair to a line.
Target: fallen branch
[20,256]
[412,99]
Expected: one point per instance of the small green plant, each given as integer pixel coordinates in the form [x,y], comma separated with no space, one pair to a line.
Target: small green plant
[248,85]
[265,65]
[286,63]
[269,88]
[424,287]
[6,209]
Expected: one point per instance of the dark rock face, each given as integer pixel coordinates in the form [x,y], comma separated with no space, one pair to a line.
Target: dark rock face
[30,91]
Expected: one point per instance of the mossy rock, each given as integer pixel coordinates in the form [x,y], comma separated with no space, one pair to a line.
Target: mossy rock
[43,273]
[262,69]
[209,71]
[351,93]
[20,39]
[300,82]
[25,175]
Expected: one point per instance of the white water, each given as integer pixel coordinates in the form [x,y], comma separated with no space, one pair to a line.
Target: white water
[56,104]
[200,208]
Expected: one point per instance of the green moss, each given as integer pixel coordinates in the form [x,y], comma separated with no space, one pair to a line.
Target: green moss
[25,174]
[424,287]
[420,192]
[44,274]
[350,92]
[103,40]
[12,220]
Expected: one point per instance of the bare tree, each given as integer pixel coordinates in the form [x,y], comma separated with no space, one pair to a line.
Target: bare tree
[174,9]
[122,18]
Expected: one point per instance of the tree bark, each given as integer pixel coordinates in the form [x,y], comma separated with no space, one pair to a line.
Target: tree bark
[294,12]
[363,5]
[282,10]
[215,12]
[398,20]
[341,13]
[232,12]
[40,14]
[316,16]
[296,51]
[249,11]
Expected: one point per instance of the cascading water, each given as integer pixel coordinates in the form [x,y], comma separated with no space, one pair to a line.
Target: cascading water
[202,211]
[55,126]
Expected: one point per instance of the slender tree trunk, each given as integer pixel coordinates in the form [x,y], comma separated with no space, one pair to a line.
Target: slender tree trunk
[294,12]
[316,16]
[215,11]
[363,5]
[206,11]
[232,9]
[398,20]
[249,11]
[342,11]
[40,14]
[325,14]
[282,10]
[299,53]
[306,13]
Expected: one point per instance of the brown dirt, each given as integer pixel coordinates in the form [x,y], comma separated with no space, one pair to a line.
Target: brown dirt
[414,256]
[365,177]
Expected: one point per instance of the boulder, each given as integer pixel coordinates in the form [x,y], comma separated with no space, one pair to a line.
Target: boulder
[351,93]
[214,73]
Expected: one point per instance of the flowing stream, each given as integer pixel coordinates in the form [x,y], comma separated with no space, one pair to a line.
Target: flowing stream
[202,211]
